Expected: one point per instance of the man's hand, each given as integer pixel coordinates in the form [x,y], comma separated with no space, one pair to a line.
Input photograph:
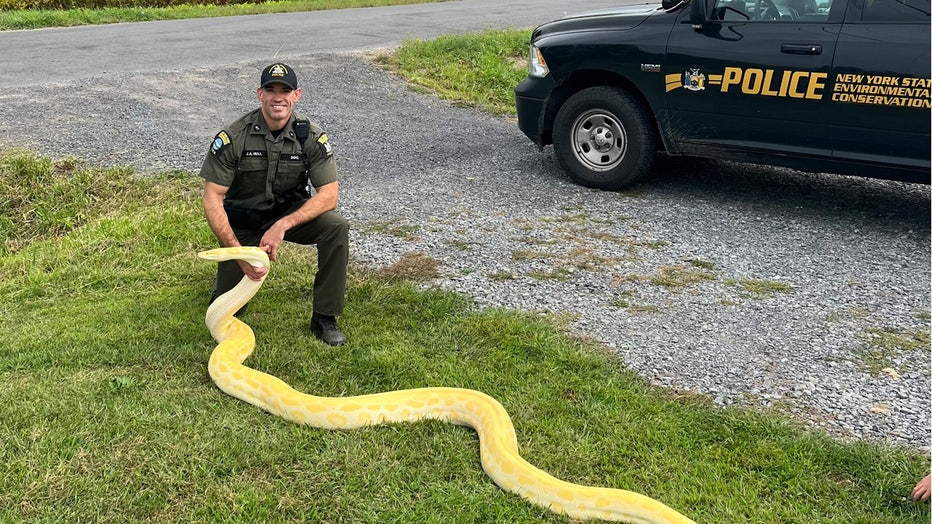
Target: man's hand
[272,239]
[325,199]
[254,273]
[923,489]
[220,225]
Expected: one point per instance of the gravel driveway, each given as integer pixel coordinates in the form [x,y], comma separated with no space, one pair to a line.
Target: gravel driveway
[757,286]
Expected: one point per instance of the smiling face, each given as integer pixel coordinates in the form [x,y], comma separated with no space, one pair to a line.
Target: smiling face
[277,101]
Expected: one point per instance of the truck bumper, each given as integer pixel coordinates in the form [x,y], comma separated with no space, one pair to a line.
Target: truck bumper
[531,105]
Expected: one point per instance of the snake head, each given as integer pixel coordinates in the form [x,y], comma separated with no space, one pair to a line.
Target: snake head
[254,255]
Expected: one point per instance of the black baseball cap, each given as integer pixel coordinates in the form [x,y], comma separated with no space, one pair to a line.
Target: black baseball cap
[279,73]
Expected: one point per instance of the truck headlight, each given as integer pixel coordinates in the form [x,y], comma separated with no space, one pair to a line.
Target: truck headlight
[537,66]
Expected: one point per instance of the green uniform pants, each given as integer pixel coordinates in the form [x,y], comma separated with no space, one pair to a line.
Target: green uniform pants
[330,232]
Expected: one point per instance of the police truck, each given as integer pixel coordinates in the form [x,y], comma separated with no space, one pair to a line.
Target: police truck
[837,86]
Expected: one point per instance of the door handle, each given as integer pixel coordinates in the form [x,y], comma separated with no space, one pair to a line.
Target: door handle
[801,49]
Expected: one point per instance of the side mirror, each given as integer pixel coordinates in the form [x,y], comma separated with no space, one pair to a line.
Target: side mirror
[698,14]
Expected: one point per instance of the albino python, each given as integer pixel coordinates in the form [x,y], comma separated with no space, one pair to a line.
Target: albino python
[498,444]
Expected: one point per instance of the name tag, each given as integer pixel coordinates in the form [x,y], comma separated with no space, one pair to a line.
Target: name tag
[293,158]
[253,154]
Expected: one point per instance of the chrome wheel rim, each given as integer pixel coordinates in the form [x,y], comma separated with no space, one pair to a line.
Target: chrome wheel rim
[599,140]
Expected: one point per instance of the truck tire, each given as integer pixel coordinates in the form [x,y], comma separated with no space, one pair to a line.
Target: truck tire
[603,138]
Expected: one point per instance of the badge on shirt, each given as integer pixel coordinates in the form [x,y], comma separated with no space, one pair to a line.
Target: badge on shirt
[325,148]
[220,141]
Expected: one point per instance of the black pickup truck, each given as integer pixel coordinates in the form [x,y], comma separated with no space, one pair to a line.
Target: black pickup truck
[837,86]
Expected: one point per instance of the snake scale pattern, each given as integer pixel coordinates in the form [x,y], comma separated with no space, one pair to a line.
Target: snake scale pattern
[498,444]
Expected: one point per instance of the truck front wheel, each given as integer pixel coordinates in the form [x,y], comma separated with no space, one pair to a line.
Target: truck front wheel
[603,138]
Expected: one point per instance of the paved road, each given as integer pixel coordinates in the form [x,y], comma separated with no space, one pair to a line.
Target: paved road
[60,55]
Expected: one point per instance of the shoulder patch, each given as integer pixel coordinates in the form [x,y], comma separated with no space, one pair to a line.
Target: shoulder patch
[325,148]
[220,141]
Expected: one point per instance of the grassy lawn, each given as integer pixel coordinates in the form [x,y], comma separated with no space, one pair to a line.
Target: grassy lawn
[109,414]
[140,11]
[475,70]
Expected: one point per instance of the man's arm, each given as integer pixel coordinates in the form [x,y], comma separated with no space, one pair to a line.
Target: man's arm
[220,225]
[325,199]
[217,216]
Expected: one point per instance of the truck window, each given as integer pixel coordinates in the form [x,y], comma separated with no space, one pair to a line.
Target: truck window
[772,10]
[895,11]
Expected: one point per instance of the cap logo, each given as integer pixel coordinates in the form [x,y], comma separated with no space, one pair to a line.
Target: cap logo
[280,73]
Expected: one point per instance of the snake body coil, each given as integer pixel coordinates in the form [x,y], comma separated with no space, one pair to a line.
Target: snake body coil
[498,445]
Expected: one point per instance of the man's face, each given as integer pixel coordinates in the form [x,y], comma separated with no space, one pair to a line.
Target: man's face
[277,102]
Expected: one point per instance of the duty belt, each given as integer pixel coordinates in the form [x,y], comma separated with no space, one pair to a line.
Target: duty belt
[255,219]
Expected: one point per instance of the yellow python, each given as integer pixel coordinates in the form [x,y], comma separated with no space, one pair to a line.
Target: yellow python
[498,444]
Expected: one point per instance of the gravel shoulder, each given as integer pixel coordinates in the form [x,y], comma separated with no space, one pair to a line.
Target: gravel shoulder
[756,286]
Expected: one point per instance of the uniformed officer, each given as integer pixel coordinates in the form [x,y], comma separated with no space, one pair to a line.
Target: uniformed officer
[256,193]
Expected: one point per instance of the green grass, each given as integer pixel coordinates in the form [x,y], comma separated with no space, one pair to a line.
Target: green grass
[763,288]
[21,14]
[478,70]
[109,415]
[883,346]
[395,228]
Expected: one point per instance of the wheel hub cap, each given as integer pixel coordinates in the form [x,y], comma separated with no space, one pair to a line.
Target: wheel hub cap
[599,140]
[602,138]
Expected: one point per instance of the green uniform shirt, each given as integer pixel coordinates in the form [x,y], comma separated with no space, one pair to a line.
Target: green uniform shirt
[258,167]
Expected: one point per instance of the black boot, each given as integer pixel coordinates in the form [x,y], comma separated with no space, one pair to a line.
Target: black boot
[325,328]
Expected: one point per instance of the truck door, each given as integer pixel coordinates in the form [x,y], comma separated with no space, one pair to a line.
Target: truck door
[880,94]
[755,77]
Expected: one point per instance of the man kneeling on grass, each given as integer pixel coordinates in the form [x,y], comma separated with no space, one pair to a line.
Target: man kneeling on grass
[258,173]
